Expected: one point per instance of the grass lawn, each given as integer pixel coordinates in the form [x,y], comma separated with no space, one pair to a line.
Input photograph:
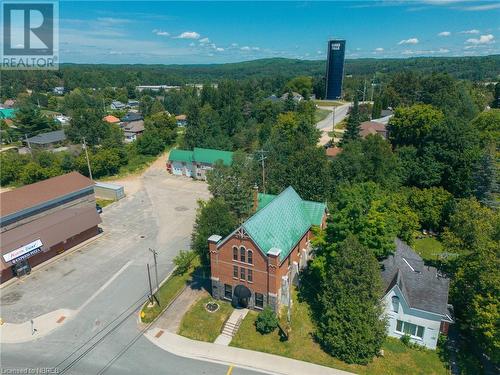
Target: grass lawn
[398,359]
[199,324]
[428,248]
[328,103]
[168,291]
[321,114]
[103,202]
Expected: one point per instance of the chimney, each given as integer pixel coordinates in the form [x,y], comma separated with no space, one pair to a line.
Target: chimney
[255,197]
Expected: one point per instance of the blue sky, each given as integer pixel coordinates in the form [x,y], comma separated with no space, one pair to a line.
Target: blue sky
[166,32]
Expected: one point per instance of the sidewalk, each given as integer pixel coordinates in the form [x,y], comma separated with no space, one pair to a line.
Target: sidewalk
[11,333]
[227,355]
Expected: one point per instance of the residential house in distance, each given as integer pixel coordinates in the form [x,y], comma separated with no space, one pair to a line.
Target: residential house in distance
[115,104]
[181,120]
[132,130]
[372,127]
[110,119]
[296,96]
[61,119]
[255,265]
[133,103]
[416,297]
[132,116]
[59,90]
[7,113]
[156,87]
[46,140]
[196,163]
[9,103]
[332,152]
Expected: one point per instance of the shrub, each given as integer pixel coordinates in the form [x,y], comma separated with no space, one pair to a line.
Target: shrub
[183,261]
[405,339]
[267,321]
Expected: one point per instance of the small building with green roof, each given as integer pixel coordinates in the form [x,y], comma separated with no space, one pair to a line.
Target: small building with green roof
[196,163]
[255,265]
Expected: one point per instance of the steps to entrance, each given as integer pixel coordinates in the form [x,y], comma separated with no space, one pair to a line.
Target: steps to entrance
[231,327]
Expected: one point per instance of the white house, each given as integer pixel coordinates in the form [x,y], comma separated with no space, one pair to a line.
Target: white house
[115,104]
[416,297]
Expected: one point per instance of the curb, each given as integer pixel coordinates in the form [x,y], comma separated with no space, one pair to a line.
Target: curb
[48,262]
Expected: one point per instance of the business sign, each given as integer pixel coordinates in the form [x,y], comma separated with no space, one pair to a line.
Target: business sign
[30,34]
[335,46]
[24,252]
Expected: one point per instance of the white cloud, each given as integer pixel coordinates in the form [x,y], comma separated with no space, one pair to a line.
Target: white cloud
[245,48]
[473,31]
[189,35]
[483,39]
[482,7]
[234,44]
[443,50]
[409,41]
[319,52]
[219,49]
[160,32]
[204,40]
[444,33]
[379,49]
[255,49]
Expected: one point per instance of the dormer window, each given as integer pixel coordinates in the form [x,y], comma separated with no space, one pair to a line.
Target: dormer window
[395,304]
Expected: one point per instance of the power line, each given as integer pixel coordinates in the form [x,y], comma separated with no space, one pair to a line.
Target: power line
[261,153]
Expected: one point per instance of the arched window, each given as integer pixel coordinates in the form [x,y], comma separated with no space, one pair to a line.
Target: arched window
[235,253]
[242,254]
[250,256]
[395,303]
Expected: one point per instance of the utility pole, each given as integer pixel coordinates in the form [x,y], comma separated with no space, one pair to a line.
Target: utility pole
[150,286]
[364,91]
[261,159]
[155,253]
[29,144]
[87,155]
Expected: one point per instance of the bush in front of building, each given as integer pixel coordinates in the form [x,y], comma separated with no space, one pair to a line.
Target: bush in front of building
[183,261]
[267,321]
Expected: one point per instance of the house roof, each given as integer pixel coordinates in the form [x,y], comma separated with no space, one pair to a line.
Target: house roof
[283,221]
[210,156]
[181,155]
[132,116]
[134,127]
[372,127]
[7,113]
[421,285]
[201,155]
[40,192]
[181,117]
[47,138]
[111,119]
[333,151]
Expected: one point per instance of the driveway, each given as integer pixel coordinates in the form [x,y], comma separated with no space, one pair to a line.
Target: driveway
[326,125]
[105,283]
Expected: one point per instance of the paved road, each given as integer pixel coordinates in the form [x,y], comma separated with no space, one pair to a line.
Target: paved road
[326,125]
[104,335]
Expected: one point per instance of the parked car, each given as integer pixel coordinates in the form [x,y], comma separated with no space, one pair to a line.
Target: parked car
[98,208]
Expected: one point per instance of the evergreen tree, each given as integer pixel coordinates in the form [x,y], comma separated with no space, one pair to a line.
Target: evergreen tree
[352,128]
[377,109]
[289,102]
[350,327]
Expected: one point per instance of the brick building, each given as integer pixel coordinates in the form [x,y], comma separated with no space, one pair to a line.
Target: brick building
[41,220]
[254,265]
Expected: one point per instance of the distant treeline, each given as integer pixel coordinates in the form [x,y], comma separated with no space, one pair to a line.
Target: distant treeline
[477,68]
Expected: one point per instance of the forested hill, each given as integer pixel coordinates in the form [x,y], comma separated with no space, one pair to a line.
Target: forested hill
[486,68]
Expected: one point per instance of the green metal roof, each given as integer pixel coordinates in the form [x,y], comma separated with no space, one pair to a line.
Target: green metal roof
[210,156]
[181,155]
[201,155]
[7,113]
[282,220]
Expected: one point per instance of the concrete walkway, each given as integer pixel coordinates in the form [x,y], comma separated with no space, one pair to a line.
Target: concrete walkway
[170,319]
[248,359]
[231,327]
[17,333]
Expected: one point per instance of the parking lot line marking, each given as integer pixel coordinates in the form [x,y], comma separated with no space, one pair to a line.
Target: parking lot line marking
[105,285]
[229,370]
